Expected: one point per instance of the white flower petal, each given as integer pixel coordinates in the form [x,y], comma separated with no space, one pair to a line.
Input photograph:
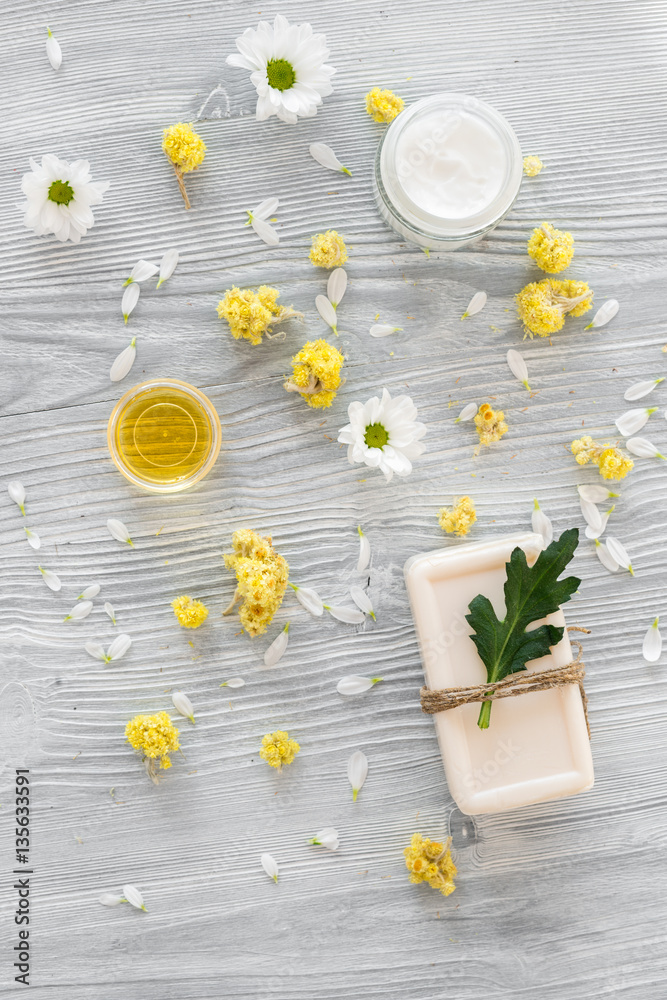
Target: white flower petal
[396,417]
[606,312]
[476,304]
[277,648]
[598,532]
[642,448]
[542,525]
[640,389]
[108,899]
[383,330]
[592,515]
[348,615]
[336,286]
[467,413]
[309,599]
[619,553]
[518,367]
[605,556]
[183,705]
[265,232]
[79,611]
[142,270]
[95,649]
[168,265]
[50,579]
[326,838]
[270,866]
[123,362]
[633,420]
[353,684]
[34,541]
[326,310]
[357,769]
[265,208]
[119,646]
[89,592]
[364,551]
[130,299]
[110,611]
[362,600]
[133,896]
[326,157]
[595,494]
[233,682]
[119,531]
[53,51]
[652,646]
[17,494]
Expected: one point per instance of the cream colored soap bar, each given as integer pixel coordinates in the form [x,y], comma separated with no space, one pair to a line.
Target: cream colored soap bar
[536,747]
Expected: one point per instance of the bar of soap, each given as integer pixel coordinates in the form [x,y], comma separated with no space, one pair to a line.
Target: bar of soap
[536,747]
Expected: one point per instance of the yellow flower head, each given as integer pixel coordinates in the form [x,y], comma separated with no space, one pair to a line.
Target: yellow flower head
[328,250]
[431,862]
[316,373]
[155,735]
[542,305]
[278,749]
[184,147]
[253,314]
[383,105]
[551,249]
[190,614]
[261,575]
[532,166]
[611,462]
[459,519]
[490,424]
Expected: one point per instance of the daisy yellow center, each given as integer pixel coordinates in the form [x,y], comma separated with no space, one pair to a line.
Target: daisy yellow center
[61,192]
[280,74]
[376,436]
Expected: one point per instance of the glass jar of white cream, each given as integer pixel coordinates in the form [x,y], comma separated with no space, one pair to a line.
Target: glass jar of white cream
[447,170]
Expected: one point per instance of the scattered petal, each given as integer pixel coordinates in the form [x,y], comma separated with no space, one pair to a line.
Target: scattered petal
[183,705]
[16,492]
[95,649]
[265,208]
[142,270]
[348,615]
[326,157]
[518,367]
[309,599]
[130,299]
[123,362]
[652,647]
[34,541]
[53,51]
[270,866]
[265,231]
[353,684]
[542,525]
[467,413]
[79,611]
[364,551]
[133,896]
[362,600]
[605,556]
[383,329]
[119,647]
[50,579]
[640,389]
[606,312]
[168,265]
[642,448]
[595,494]
[326,311]
[476,304]
[592,515]
[633,420]
[108,899]
[89,592]
[597,532]
[119,531]
[110,611]
[233,682]
[619,554]
[357,769]
[336,286]
[277,648]
[326,838]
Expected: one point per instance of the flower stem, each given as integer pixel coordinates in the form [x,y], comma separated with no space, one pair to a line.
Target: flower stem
[181,185]
[484,715]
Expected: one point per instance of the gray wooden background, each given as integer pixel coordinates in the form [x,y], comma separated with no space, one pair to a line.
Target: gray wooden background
[556,902]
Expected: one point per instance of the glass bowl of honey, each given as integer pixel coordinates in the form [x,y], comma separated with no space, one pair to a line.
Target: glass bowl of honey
[164,435]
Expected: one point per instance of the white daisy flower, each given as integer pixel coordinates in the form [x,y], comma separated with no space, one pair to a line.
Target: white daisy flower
[277,648]
[326,838]
[60,196]
[353,684]
[16,492]
[651,648]
[384,330]
[642,448]
[542,525]
[362,600]
[476,304]
[384,433]
[620,554]
[604,314]
[257,219]
[364,551]
[641,389]
[633,420]
[287,68]
[167,265]
[309,599]
[142,270]
[595,494]
[357,770]
[123,363]
[183,705]
[336,286]
[326,157]
[518,367]
[605,556]
[53,51]
[270,866]
[34,541]
[467,413]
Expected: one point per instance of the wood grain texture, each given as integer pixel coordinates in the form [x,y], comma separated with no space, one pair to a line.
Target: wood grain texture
[560,901]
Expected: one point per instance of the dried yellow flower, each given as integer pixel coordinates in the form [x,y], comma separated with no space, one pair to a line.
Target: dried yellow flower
[186,150]
[458,519]
[190,613]
[490,424]
[532,166]
[611,462]
[551,249]
[278,749]
[383,105]
[261,575]
[316,373]
[156,737]
[328,250]
[431,862]
[251,315]
[542,305]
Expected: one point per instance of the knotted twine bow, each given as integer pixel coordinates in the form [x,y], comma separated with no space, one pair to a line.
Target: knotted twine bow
[512,685]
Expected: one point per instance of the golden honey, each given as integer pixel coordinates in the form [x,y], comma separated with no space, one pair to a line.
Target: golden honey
[164,435]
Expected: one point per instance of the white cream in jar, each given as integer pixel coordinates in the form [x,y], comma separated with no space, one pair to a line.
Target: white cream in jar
[447,171]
